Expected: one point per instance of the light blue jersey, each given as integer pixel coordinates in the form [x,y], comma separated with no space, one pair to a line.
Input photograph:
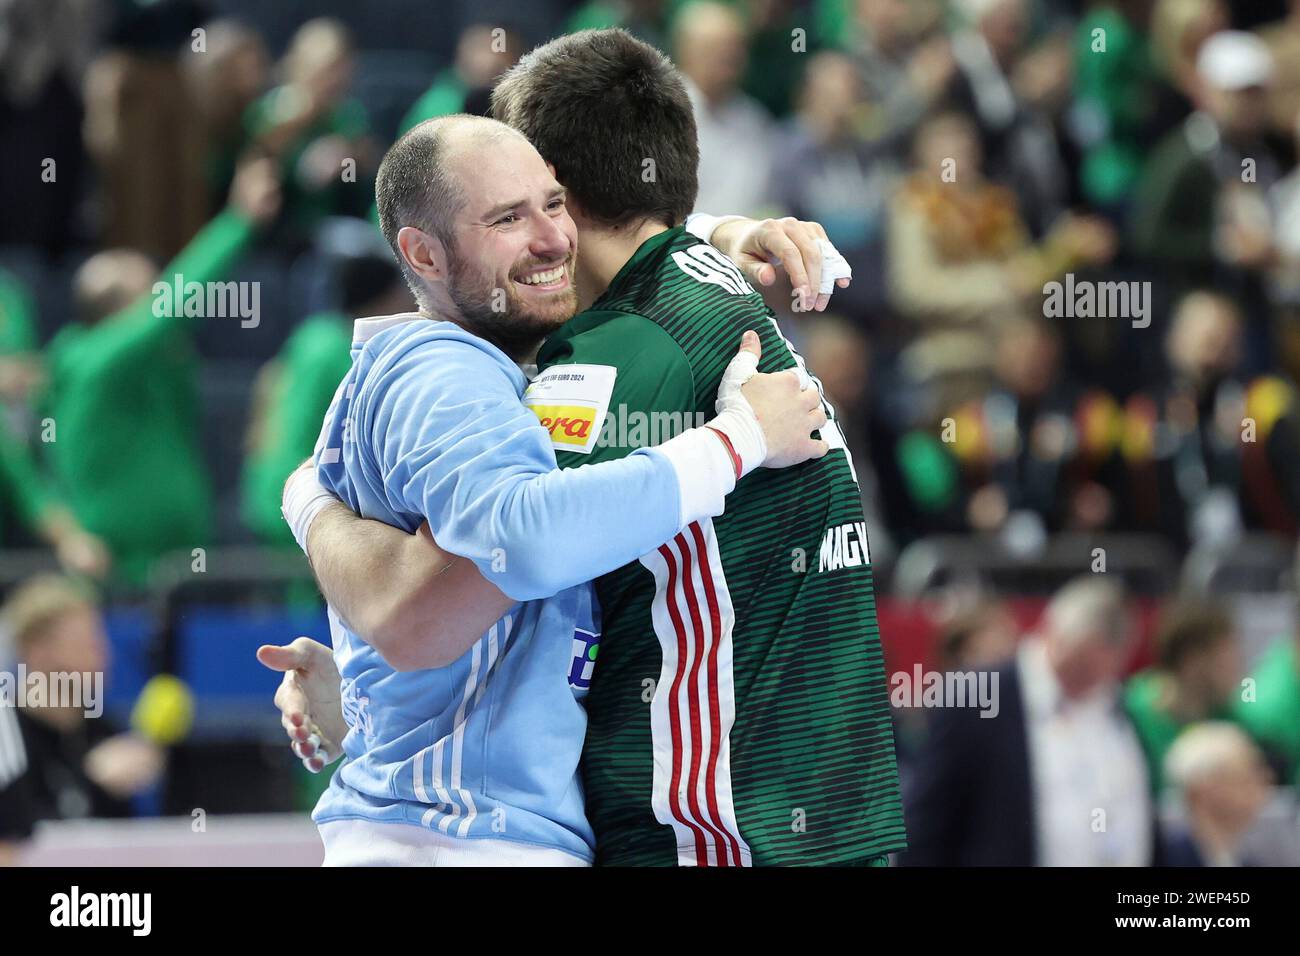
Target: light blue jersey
[429,424]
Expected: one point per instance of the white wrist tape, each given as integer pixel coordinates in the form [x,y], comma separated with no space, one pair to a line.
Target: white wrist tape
[703,458]
[735,416]
[705,473]
[304,498]
[701,225]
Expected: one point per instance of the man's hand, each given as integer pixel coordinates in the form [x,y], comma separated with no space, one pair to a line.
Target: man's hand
[755,245]
[255,191]
[308,698]
[125,765]
[77,549]
[787,409]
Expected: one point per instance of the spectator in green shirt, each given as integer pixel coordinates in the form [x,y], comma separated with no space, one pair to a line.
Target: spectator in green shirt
[318,133]
[26,491]
[20,367]
[1271,709]
[124,441]
[482,54]
[294,389]
[1272,712]
[1196,677]
[1115,93]
[23,488]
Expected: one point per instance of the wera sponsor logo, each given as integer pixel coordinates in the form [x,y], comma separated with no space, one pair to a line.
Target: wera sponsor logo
[208,300]
[922,688]
[134,910]
[81,690]
[1099,300]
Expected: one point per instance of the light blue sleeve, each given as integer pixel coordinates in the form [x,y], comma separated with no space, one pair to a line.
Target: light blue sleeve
[453,442]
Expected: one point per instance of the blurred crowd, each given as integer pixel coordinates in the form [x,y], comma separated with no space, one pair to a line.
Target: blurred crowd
[997,172]
[967,158]
[1192,761]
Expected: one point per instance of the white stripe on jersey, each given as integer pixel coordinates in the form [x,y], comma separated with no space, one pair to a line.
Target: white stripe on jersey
[718,834]
[448,806]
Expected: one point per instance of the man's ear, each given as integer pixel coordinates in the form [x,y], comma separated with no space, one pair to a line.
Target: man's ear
[425,254]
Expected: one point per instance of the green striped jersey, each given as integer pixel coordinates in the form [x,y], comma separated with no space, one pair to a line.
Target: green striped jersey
[738,711]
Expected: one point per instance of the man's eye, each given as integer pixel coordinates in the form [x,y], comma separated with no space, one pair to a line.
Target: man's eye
[507,219]
[556,204]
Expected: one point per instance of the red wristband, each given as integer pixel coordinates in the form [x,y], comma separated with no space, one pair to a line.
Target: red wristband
[731,449]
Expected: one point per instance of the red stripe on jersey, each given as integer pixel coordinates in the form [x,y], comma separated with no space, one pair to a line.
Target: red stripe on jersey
[674,712]
[693,702]
[715,712]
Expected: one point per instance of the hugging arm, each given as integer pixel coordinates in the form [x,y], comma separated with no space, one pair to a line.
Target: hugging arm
[416,604]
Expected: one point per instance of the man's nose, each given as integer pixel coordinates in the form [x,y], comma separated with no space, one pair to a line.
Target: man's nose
[550,239]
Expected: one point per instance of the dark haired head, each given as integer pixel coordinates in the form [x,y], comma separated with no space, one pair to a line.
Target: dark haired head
[611,115]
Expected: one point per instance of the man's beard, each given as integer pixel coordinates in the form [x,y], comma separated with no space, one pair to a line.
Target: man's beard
[519,328]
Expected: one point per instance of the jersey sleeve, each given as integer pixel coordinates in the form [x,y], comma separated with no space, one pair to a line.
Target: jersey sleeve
[654,389]
[208,257]
[453,442]
[21,481]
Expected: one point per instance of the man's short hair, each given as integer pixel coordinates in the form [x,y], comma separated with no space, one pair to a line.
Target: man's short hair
[611,114]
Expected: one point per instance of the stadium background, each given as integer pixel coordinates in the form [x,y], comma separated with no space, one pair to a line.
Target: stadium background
[1001,452]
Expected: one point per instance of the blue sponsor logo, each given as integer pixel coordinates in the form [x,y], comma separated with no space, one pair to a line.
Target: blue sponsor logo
[585,646]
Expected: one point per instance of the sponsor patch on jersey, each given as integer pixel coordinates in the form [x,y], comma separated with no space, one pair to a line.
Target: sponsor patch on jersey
[586,644]
[844,546]
[571,401]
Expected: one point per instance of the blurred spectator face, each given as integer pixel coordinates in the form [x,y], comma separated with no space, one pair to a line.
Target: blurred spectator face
[1179,28]
[981,637]
[886,22]
[1002,25]
[249,68]
[711,49]
[235,70]
[1027,359]
[1089,637]
[1223,778]
[74,641]
[110,281]
[320,59]
[1205,342]
[1236,793]
[478,61]
[949,136]
[840,357]
[831,94]
[1217,669]
[1241,114]
[991,642]
[1197,643]
[1091,665]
